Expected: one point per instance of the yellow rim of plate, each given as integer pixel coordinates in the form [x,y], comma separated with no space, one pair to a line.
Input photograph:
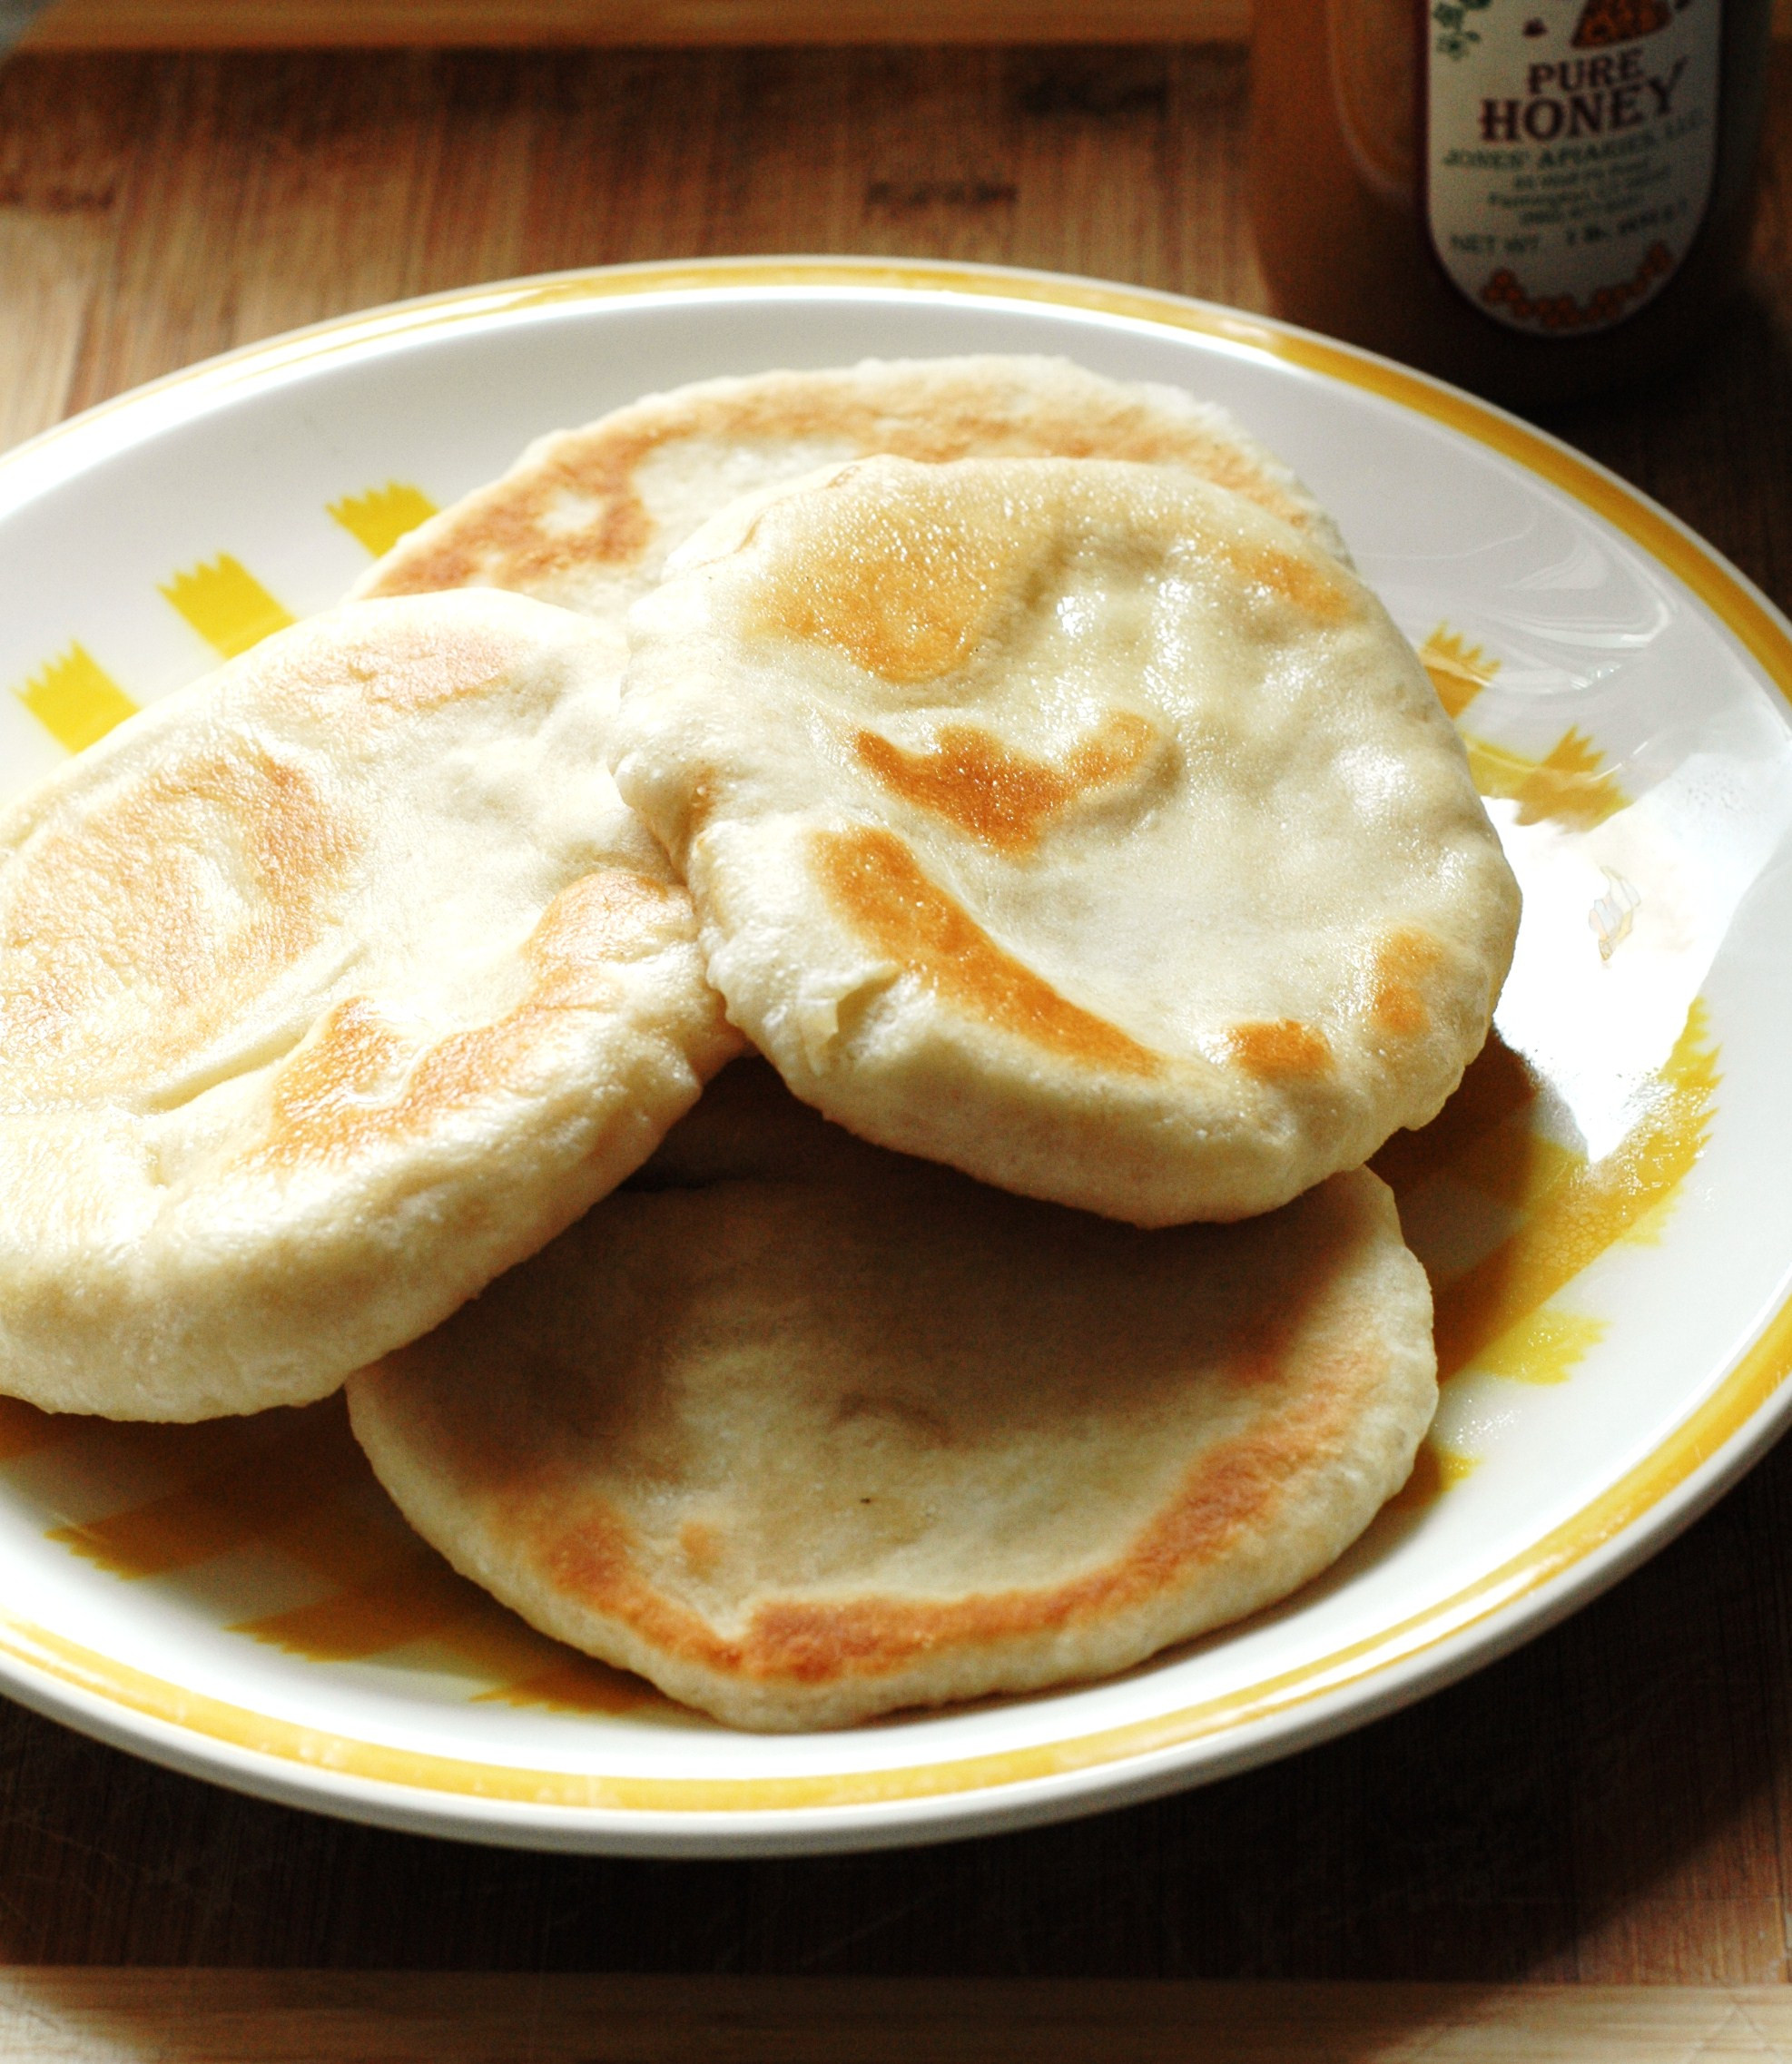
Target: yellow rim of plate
[1742,1394]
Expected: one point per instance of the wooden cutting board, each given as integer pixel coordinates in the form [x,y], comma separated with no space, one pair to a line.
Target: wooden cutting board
[249,2017]
[123,25]
[102,25]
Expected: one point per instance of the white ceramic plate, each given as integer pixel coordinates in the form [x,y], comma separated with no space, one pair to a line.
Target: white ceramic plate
[1603,1207]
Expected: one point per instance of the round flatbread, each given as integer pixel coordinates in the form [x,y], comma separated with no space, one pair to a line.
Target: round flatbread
[1077,823]
[804,1431]
[329,986]
[585,517]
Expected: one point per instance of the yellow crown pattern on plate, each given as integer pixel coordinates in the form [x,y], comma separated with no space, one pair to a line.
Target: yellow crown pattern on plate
[382,516]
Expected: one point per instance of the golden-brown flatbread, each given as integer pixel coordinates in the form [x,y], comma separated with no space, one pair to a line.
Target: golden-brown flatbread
[585,517]
[805,1432]
[331,986]
[1075,822]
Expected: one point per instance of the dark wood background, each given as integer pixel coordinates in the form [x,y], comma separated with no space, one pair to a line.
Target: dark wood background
[1610,1804]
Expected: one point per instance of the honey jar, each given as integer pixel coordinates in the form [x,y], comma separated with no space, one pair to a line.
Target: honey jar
[1538,199]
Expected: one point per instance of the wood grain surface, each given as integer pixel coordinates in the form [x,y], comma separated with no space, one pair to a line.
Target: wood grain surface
[209,2017]
[165,24]
[1612,1805]
[162,25]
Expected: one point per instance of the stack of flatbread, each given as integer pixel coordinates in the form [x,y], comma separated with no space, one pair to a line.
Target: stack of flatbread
[1012,758]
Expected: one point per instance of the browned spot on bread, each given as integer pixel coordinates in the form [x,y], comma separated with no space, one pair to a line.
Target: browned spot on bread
[1396,981]
[323,1096]
[907,595]
[608,914]
[700,1544]
[357,1083]
[580,505]
[875,883]
[177,900]
[1306,583]
[998,793]
[508,535]
[1279,1050]
[399,667]
[1234,1489]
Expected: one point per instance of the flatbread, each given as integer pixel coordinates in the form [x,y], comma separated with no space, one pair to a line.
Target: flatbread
[585,517]
[331,986]
[804,1431]
[1077,823]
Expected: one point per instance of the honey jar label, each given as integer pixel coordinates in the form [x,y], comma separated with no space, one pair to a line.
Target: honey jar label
[1569,152]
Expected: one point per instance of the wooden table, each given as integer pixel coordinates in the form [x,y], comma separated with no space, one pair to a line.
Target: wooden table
[1611,1807]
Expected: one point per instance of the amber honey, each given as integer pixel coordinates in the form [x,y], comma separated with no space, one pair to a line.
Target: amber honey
[1538,199]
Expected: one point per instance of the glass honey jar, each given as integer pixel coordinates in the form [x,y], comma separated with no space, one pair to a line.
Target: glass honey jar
[1538,199]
